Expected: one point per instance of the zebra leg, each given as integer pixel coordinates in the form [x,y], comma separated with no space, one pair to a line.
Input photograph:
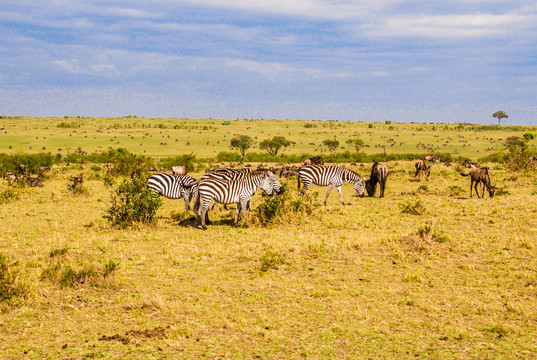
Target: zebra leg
[187,202]
[245,206]
[340,196]
[328,193]
[204,216]
[237,212]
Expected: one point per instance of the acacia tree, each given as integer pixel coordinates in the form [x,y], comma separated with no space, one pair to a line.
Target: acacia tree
[332,145]
[273,145]
[357,143]
[500,115]
[241,142]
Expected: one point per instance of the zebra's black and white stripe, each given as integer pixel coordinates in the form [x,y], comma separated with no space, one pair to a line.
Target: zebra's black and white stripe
[173,186]
[331,176]
[235,192]
[222,174]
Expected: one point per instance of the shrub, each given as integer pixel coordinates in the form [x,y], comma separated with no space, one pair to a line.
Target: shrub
[188,160]
[133,202]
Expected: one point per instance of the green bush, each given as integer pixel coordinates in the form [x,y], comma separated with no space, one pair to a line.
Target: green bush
[133,202]
[188,160]
[32,162]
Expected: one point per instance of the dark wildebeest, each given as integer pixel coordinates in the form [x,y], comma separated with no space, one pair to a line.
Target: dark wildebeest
[480,175]
[33,182]
[316,160]
[379,174]
[421,167]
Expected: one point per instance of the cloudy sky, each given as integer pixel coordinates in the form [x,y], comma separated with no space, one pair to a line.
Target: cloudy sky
[425,61]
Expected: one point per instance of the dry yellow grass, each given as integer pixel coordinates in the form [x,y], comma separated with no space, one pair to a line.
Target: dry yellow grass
[366,280]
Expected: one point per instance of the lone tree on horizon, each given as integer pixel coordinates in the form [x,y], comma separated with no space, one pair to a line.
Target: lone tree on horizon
[273,145]
[500,115]
[241,142]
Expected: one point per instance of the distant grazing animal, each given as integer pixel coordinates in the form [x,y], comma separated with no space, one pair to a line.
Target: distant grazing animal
[480,175]
[173,187]
[433,158]
[421,167]
[235,191]
[379,174]
[471,165]
[33,182]
[331,176]
[44,168]
[10,176]
[316,160]
[179,170]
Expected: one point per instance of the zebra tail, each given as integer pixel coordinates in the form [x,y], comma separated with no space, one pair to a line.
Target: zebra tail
[298,181]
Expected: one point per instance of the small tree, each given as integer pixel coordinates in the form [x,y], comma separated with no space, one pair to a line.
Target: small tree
[273,145]
[332,145]
[357,143]
[500,115]
[241,142]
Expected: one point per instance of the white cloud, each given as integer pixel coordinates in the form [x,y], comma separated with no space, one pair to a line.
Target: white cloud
[450,26]
[67,66]
[327,9]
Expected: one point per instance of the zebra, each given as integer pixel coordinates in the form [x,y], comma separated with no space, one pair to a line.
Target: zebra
[173,187]
[221,174]
[235,191]
[331,176]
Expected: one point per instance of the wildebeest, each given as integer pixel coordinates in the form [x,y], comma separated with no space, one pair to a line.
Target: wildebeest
[179,170]
[421,167]
[44,168]
[316,160]
[379,174]
[480,175]
[33,182]
[433,158]
[10,176]
[471,165]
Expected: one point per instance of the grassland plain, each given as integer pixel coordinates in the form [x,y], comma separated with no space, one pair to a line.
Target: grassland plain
[425,272]
[207,137]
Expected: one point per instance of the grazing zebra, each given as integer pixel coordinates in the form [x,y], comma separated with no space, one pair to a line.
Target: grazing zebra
[235,191]
[421,167]
[173,186]
[379,174]
[221,174]
[331,176]
[480,175]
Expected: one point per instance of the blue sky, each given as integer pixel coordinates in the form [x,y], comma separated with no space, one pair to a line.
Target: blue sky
[424,61]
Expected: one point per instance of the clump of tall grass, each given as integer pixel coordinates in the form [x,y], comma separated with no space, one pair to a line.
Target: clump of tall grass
[7,196]
[67,274]
[14,287]
[413,208]
[284,208]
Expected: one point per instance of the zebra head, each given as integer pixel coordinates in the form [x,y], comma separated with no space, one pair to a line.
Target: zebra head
[359,186]
[271,184]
